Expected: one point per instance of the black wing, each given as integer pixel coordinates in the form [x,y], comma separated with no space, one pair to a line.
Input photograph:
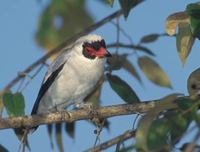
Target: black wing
[45,87]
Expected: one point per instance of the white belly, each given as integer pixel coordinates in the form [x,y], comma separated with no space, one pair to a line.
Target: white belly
[74,83]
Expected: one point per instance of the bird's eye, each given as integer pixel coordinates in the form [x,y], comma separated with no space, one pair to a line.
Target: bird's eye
[96,45]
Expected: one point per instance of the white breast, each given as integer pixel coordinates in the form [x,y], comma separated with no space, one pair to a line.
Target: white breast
[76,80]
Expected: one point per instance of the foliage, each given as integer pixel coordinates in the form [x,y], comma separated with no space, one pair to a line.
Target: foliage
[159,129]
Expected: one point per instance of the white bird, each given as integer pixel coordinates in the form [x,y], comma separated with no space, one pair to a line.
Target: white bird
[73,75]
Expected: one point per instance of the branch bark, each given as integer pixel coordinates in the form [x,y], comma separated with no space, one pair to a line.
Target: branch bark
[75,115]
[125,136]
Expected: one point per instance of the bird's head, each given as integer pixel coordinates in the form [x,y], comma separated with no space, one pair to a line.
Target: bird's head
[93,46]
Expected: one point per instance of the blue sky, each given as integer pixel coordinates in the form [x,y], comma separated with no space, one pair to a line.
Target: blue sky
[19,49]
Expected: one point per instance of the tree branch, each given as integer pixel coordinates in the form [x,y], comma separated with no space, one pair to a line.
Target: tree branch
[63,45]
[131,46]
[125,136]
[75,115]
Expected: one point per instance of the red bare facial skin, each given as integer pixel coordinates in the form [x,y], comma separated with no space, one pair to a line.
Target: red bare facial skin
[99,53]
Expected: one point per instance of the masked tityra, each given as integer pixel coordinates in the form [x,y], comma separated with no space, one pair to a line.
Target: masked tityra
[73,75]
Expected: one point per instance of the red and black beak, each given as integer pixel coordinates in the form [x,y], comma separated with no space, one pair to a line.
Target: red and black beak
[108,54]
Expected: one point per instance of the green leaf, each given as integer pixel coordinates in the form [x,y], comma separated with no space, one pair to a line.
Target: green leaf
[194,12]
[59,137]
[158,135]
[1,103]
[14,103]
[178,125]
[184,41]
[3,149]
[149,38]
[110,2]
[154,72]
[127,5]
[143,130]
[174,20]
[122,89]
[119,61]
[128,66]
[70,129]
[193,84]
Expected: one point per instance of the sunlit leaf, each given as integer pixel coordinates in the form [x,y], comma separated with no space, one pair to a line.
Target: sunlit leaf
[70,129]
[3,149]
[193,11]
[193,82]
[58,135]
[14,103]
[149,38]
[60,20]
[127,5]
[122,89]
[174,20]
[154,72]
[110,2]
[184,41]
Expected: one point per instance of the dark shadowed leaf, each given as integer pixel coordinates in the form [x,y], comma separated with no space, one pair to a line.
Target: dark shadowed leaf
[149,38]
[128,148]
[50,130]
[1,103]
[128,66]
[143,129]
[178,125]
[3,149]
[115,62]
[119,61]
[70,129]
[58,135]
[158,135]
[193,11]
[14,103]
[122,89]
[154,72]
[174,20]
[184,41]
[127,5]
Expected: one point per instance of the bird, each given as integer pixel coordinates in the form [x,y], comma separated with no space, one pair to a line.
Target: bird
[73,75]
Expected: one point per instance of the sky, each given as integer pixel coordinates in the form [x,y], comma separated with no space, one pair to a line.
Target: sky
[18,49]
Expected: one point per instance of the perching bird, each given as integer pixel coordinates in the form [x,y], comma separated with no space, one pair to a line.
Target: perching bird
[73,75]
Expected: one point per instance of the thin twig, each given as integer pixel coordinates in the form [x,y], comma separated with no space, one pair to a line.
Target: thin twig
[191,146]
[111,142]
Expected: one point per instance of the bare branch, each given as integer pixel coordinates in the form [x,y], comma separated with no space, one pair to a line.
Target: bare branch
[125,136]
[131,46]
[75,115]
[63,45]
